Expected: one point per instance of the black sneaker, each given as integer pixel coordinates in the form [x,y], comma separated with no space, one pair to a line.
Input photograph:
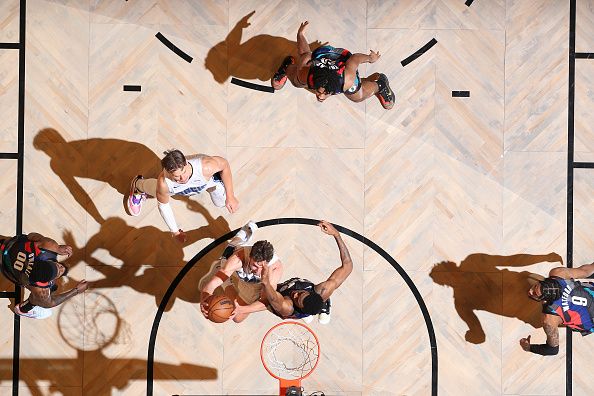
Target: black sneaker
[385,94]
[280,77]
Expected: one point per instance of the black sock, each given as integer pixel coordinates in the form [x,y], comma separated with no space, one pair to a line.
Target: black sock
[26,306]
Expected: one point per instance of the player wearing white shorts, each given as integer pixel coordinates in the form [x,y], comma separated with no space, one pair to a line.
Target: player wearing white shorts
[239,272]
[181,176]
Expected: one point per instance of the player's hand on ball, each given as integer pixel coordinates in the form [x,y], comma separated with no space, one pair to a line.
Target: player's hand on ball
[328,228]
[238,310]
[373,56]
[525,343]
[204,307]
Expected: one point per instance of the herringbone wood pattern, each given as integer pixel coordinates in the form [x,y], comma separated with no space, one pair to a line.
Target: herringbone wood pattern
[467,194]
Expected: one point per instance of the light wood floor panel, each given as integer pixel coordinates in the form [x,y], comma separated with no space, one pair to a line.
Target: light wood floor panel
[9,21]
[583,214]
[584,26]
[536,70]
[389,340]
[584,100]
[8,197]
[534,208]
[429,181]
[9,94]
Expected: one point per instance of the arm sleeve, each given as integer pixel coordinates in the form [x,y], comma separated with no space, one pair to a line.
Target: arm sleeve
[544,349]
[167,215]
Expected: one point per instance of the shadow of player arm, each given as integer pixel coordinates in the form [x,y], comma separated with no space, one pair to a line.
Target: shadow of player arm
[475,333]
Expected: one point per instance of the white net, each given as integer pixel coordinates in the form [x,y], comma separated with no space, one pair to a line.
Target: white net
[290,351]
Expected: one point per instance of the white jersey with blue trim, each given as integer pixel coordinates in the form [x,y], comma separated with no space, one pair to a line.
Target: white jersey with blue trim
[244,273]
[196,183]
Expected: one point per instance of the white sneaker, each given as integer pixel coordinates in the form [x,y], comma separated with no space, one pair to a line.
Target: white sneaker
[308,319]
[324,315]
[36,312]
[246,233]
[324,318]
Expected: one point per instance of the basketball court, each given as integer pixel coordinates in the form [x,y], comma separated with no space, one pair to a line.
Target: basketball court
[448,203]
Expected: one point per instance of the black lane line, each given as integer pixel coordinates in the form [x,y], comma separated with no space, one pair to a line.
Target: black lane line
[460,94]
[9,45]
[468,3]
[5,294]
[419,52]
[250,85]
[136,88]
[584,55]
[291,220]
[16,346]
[9,155]
[570,154]
[583,165]
[173,48]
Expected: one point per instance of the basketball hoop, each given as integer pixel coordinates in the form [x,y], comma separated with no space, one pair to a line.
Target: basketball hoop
[290,352]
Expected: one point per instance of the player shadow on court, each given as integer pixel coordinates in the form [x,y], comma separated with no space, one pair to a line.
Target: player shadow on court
[112,161]
[479,285]
[257,58]
[100,326]
[150,258]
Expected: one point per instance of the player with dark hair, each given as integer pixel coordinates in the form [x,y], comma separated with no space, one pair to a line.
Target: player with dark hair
[239,272]
[299,298]
[181,176]
[331,71]
[31,261]
[568,300]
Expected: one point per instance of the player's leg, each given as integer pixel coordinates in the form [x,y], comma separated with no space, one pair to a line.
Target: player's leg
[139,189]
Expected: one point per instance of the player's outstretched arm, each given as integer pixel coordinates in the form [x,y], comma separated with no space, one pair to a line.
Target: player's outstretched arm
[281,305]
[551,328]
[46,243]
[302,46]
[45,299]
[325,289]
[584,271]
[231,265]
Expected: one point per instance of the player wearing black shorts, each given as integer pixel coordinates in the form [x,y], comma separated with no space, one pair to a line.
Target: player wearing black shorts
[31,261]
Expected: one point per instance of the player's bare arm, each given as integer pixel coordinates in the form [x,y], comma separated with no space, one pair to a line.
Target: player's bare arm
[325,289]
[46,243]
[583,271]
[44,298]
[214,164]
[281,305]
[303,46]
[231,265]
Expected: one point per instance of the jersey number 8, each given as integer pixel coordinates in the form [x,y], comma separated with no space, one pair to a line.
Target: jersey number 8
[579,301]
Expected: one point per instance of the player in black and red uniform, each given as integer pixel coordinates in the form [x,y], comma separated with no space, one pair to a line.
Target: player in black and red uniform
[31,261]
[567,296]
[300,298]
[331,71]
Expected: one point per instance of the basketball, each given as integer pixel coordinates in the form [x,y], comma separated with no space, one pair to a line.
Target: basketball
[220,308]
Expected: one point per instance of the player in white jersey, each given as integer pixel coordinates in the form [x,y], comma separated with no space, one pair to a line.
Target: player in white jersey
[239,272]
[181,176]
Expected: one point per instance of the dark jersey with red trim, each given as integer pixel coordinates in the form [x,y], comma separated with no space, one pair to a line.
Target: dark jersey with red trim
[289,286]
[19,255]
[575,306]
[328,57]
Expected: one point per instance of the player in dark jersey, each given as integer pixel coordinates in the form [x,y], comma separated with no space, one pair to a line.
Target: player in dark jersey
[31,261]
[568,300]
[331,71]
[299,298]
